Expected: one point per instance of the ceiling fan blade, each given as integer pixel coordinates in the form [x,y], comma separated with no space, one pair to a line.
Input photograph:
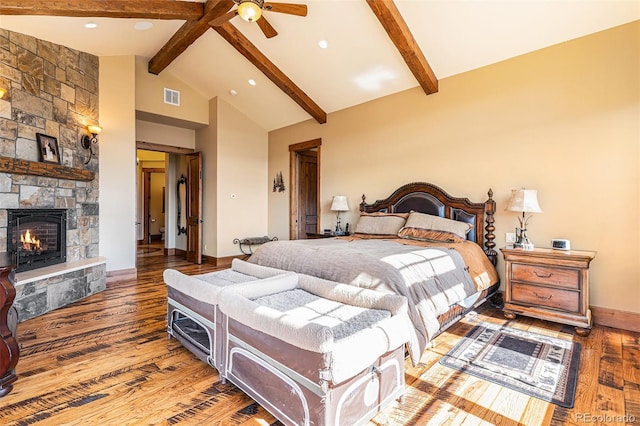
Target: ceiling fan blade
[223,18]
[291,9]
[266,27]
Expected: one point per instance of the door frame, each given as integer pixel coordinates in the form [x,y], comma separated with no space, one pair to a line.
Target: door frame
[194,204]
[294,158]
[168,149]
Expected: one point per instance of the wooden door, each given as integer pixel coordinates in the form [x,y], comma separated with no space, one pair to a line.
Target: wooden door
[194,208]
[304,204]
[308,195]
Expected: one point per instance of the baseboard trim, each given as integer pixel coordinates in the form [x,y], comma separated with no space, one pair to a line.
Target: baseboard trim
[623,320]
[607,317]
[174,252]
[221,261]
[122,275]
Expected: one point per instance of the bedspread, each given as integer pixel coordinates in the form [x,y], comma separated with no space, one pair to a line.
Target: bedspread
[431,276]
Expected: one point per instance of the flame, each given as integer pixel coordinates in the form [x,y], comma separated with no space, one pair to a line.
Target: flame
[28,242]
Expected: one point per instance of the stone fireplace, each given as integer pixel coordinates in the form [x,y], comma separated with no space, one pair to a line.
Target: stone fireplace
[51,90]
[36,237]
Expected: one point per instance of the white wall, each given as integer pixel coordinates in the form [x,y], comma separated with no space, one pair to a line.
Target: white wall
[117,162]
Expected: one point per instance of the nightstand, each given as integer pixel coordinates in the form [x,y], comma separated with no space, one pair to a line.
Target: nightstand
[548,284]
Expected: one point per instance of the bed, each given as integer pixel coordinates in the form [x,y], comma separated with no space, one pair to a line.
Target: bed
[420,242]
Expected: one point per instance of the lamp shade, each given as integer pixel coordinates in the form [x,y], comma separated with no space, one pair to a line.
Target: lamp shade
[94,129]
[524,200]
[339,203]
[249,10]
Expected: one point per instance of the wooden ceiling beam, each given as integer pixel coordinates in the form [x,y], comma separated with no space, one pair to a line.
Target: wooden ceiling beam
[242,44]
[399,33]
[187,34]
[145,9]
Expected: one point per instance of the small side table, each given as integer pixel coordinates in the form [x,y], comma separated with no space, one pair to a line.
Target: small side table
[247,243]
[548,284]
[9,349]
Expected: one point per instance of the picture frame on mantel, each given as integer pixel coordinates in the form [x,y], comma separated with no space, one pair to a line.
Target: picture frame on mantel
[48,149]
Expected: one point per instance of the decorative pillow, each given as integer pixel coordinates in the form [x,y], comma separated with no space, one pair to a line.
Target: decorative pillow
[437,223]
[380,223]
[429,235]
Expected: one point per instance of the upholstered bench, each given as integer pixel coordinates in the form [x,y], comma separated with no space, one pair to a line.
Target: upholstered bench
[191,304]
[314,352]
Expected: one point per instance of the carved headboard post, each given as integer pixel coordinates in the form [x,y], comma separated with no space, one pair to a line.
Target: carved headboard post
[363,203]
[489,210]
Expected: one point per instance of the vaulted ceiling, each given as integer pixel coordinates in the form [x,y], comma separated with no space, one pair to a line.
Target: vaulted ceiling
[375,47]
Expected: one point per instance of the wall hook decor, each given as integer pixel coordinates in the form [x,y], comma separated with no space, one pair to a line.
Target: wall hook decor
[278,183]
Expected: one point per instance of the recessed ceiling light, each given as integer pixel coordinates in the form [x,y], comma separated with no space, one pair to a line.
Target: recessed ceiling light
[143,25]
[323,44]
[233,92]
[252,82]
[91,25]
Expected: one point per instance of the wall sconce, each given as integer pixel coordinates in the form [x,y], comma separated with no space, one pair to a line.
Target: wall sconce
[87,141]
[2,92]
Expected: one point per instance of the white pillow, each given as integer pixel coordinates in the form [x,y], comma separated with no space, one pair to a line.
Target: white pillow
[428,221]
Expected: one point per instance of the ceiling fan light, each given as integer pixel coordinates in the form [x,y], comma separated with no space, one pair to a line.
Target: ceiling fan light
[249,11]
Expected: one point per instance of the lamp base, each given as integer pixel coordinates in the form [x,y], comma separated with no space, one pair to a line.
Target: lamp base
[522,241]
[524,246]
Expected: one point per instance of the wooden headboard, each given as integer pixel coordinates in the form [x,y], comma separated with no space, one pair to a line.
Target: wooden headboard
[428,198]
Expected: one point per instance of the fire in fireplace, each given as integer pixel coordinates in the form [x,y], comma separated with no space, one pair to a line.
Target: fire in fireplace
[37,237]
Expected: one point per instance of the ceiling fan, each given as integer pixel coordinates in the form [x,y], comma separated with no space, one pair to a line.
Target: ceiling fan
[251,11]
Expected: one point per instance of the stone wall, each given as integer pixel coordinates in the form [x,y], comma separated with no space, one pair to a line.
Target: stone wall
[40,296]
[51,89]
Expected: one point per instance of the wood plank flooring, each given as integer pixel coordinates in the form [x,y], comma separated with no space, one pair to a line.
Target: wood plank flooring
[106,360]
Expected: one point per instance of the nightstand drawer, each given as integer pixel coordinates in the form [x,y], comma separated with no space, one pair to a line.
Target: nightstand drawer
[567,278]
[546,296]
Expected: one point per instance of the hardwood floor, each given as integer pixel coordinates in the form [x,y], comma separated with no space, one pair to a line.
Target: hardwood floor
[106,360]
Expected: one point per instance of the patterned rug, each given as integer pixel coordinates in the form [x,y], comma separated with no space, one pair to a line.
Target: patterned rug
[540,366]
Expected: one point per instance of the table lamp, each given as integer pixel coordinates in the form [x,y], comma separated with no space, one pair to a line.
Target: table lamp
[525,201]
[339,204]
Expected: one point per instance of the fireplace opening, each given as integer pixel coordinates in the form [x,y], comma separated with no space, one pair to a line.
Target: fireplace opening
[37,237]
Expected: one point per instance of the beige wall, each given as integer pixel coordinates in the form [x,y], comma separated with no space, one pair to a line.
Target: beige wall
[150,96]
[242,178]
[117,162]
[235,183]
[207,145]
[163,134]
[563,120]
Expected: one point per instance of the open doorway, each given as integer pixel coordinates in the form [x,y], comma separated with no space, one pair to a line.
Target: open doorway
[304,166]
[151,202]
[178,230]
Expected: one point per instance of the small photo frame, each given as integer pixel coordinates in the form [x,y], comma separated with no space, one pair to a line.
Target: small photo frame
[48,148]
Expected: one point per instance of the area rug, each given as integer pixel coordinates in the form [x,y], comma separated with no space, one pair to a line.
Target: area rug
[540,366]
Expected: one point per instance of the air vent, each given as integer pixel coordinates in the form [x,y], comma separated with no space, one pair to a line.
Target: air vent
[171,97]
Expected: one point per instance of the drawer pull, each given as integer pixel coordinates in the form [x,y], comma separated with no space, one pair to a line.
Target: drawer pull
[539,275]
[543,297]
